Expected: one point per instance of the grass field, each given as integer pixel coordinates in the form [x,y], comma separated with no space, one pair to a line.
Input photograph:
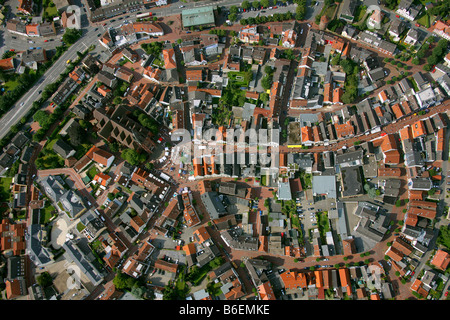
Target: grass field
[424,20]
[11,85]
[5,189]
[51,11]
[322,222]
[48,213]
[92,172]
[239,78]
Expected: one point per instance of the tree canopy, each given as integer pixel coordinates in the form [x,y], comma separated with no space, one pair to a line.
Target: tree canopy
[133,157]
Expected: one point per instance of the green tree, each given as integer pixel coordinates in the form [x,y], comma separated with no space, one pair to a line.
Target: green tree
[433,59]
[42,118]
[256,4]
[300,11]
[245,5]
[138,291]
[265,3]
[44,280]
[133,157]
[71,35]
[266,82]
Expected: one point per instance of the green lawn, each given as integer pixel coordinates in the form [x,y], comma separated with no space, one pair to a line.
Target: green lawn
[80,227]
[158,62]
[51,11]
[92,172]
[424,20]
[295,221]
[322,222]
[239,78]
[360,12]
[11,85]
[5,189]
[48,213]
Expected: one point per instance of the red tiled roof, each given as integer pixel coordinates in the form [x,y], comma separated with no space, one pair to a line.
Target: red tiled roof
[306,133]
[398,112]
[7,64]
[266,291]
[418,129]
[389,172]
[293,279]
[169,58]
[202,233]
[344,130]
[441,260]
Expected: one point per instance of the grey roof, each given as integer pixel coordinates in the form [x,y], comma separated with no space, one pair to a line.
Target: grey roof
[351,180]
[213,204]
[359,54]
[53,187]
[304,160]
[235,239]
[324,185]
[209,253]
[350,158]
[64,91]
[63,149]
[47,29]
[26,154]
[413,33]
[73,253]
[350,30]
[420,184]
[372,229]
[20,140]
[420,79]
[39,254]
[284,191]
[35,55]
[376,74]
[198,16]
[72,203]
[16,267]
[412,150]
[397,26]
[247,111]
[348,9]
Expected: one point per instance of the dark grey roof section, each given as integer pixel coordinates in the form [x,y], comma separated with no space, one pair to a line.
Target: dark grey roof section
[20,140]
[207,254]
[63,149]
[352,182]
[16,267]
[38,253]
[72,203]
[65,91]
[420,184]
[350,158]
[238,241]
[213,204]
[53,187]
[36,55]
[73,253]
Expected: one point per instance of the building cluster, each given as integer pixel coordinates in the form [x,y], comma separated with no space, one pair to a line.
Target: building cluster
[187,86]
